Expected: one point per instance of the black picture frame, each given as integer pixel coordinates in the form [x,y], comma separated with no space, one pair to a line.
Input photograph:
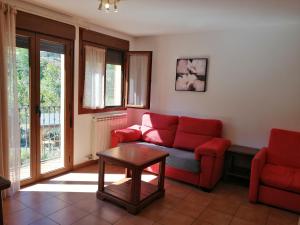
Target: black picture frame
[191,74]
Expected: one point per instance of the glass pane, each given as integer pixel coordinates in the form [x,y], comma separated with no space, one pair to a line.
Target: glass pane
[138,78]
[113,88]
[52,83]
[23,87]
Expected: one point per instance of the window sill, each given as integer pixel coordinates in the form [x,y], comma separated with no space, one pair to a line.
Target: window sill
[93,111]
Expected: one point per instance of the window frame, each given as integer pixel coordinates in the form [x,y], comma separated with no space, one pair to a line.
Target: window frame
[106,42]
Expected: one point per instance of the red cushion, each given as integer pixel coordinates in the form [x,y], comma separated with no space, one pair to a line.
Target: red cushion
[128,134]
[285,178]
[284,148]
[159,129]
[193,132]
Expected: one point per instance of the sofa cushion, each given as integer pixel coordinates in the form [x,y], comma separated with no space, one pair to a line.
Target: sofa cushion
[281,177]
[159,129]
[284,148]
[128,134]
[192,132]
[177,158]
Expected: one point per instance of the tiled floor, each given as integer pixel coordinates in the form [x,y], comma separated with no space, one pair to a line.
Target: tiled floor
[70,199]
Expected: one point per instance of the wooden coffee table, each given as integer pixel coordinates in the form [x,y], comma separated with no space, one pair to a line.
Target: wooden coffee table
[131,192]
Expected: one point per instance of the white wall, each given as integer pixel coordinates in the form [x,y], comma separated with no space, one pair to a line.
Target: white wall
[253,79]
[82,123]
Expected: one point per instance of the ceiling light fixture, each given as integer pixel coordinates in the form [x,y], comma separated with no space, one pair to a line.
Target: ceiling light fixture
[108,5]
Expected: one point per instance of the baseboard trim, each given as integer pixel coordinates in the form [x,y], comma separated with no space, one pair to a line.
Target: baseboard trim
[84,164]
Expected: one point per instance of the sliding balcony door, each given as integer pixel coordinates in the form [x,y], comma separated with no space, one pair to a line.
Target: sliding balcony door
[45,105]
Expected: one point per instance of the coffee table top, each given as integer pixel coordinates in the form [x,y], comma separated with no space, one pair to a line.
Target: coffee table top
[135,155]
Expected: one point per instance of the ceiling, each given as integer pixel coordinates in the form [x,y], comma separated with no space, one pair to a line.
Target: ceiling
[154,17]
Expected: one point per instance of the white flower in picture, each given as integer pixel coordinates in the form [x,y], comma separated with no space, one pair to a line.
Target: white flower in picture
[182,66]
[185,82]
[197,66]
[199,85]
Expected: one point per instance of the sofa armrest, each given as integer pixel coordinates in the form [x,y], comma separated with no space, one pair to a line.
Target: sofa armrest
[215,148]
[257,165]
[132,133]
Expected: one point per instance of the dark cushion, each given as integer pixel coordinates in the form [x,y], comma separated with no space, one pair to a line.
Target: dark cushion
[177,158]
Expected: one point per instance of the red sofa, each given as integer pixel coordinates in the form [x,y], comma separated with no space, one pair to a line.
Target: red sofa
[275,172]
[195,146]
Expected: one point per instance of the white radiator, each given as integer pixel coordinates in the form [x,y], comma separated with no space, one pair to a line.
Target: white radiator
[101,130]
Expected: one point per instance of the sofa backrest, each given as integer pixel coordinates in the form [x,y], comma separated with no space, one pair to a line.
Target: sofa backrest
[284,148]
[192,132]
[159,129]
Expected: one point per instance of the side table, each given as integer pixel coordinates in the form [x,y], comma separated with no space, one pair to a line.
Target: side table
[238,162]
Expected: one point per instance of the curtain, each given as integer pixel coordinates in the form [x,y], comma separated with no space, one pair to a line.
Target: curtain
[9,123]
[93,96]
[138,67]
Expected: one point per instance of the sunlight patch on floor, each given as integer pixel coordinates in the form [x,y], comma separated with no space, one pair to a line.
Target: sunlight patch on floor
[93,177]
[60,184]
[84,188]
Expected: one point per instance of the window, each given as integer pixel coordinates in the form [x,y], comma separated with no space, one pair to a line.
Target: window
[109,72]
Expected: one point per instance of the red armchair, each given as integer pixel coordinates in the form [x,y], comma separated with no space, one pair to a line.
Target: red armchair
[195,146]
[275,171]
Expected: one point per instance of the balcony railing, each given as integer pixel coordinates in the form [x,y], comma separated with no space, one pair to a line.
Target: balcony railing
[50,133]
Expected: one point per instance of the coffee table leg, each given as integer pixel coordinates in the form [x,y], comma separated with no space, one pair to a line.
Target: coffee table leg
[101,175]
[127,172]
[136,186]
[161,180]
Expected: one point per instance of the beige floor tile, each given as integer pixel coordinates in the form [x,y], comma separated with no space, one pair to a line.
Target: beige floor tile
[175,218]
[190,208]
[74,197]
[282,217]
[91,220]
[22,217]
[11,205]
[201,198]
[215,217]
[154,212]
[44,221]
[68,215]
[169,201]
[110,213]
[237,221]
[49,206]
[179,191]
[224,204]
[134,220]
[32,198]
[90,204]
[255,213]
[201,222]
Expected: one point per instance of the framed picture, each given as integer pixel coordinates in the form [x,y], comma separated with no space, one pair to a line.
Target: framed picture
[191,74]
